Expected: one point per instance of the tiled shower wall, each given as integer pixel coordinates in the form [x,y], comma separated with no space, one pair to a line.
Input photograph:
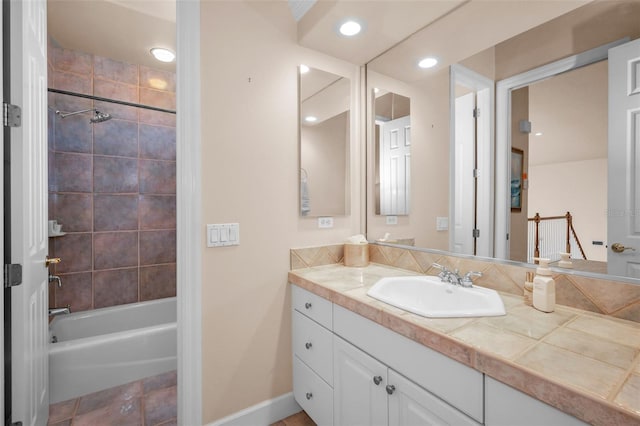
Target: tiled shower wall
[112,185]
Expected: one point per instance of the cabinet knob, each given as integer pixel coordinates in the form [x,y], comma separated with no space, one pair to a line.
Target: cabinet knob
[377,380]
[391,389]
[307,305]
[308,345]
[309,395]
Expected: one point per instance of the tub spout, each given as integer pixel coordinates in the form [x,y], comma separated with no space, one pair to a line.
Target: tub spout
[56,279]
[59,311]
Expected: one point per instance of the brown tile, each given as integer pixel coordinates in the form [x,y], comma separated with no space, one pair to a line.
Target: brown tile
[158,118]
[494,340]
[115,250]
[492,277]
[75,252]
[73,212]
[160,381]
[160,405]
[121,413]
[407,261]
[157,142]
[51,172]
[115,212]
[296,261]
[158,98]
[116,137]
[62,423]
[631,313]
[619,331]
[71,61]
[172,422]
[73,172]
[609,296]
[115,175]
[116,91]
[157,247]
[68,103]
[108,69]
[76,292]
[118,112]
[115,287]
[73,133]
[628,395]
[569,295]
[298,419]
[528,322]
[72,83]
[157,211]
[104,398]
[425,260]
[62,410]
[157,177]
[157,79]
[157,282]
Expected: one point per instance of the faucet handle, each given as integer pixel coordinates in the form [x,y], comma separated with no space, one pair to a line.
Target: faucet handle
[467,281]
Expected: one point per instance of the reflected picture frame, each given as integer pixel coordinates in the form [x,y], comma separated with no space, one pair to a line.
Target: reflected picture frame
[517,169]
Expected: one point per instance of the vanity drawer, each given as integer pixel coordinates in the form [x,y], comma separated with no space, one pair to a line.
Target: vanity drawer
[313,306]
[313,344]
[312,393]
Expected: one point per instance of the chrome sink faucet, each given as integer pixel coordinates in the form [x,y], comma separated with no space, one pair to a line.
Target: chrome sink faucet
[454,277]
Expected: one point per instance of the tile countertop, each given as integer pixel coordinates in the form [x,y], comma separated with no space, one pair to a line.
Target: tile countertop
[582,363]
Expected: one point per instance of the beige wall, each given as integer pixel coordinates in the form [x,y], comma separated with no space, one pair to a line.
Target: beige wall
[250,175]
[519,140]
[323,155]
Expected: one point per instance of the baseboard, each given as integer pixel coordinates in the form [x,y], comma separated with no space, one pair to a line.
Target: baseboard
[262,414]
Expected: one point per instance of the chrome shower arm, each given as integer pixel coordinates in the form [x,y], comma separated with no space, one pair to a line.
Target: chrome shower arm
[68,114]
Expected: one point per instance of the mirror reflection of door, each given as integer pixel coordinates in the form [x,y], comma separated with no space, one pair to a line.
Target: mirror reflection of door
[393,151]
[565,167]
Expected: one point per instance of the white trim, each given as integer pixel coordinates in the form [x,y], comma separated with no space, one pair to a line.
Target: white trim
[472,80]
[503,134]
[189,246]
[264,413]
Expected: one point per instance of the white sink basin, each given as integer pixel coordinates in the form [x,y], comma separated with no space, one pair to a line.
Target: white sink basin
[428,296]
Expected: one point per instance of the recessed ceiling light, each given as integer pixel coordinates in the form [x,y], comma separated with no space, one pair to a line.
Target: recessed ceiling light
[428,62]
[310,119]
[162,54]
[539,134]
[350,28]
[304,69]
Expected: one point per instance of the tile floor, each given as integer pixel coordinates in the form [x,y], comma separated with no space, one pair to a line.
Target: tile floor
[298,419]
[146,402]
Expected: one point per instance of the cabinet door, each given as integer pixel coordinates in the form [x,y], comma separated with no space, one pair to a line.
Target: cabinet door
[411,405]
[359,396]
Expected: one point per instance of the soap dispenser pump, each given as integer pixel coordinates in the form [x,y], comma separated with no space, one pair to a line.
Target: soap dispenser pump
[544,287]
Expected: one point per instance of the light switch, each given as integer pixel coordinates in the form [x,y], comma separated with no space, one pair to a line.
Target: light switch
[442,223]
[223,234]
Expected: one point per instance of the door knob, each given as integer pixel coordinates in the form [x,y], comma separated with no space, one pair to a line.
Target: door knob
[377,380]
[51,261]
[391,389]
[308,345]
[619,248]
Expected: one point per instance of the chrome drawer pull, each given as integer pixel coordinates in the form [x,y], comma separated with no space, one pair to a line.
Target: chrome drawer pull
[308,345]
[307,305]
[309,395]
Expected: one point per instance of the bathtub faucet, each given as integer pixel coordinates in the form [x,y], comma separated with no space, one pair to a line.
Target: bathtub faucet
[56,279]
[59,311]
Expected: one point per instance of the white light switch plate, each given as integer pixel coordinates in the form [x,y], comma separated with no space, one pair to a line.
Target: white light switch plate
[442,223]
[325,222]
[223,234]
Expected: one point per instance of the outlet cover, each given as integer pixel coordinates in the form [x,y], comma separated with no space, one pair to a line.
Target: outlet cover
[325,222]
[392,220]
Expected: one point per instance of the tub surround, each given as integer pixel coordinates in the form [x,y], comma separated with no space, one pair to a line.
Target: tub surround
[583,363]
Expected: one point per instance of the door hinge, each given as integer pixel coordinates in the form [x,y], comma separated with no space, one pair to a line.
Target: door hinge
[507,237]
[476,112]
[16,424]
[476,233]
[12,115]
[12,275]
[476,173]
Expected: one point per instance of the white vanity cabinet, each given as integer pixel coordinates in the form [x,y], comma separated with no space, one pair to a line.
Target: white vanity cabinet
[506,406]
[367,392]
[312,342]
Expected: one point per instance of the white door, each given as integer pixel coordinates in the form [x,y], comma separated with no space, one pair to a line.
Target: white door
[623,222]
[359,381]
[29,212]
[410,405]
[2,336]
[395,166]
[465,141]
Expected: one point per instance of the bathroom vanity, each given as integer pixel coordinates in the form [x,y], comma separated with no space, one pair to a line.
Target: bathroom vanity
[360,361]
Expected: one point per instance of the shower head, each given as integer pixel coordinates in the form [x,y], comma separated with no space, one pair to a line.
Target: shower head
[100,117]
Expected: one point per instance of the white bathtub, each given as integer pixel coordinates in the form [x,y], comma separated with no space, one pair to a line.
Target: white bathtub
[107,347]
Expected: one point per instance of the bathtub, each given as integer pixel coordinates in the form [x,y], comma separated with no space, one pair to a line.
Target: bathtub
[107,347]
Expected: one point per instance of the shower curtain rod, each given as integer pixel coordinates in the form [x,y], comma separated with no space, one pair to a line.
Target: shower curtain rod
[98,98]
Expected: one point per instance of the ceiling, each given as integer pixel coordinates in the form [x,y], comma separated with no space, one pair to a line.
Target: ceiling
[123,30]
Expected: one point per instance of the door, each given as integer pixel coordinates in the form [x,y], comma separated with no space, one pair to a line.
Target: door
[359,396]
[623,221]
[465,191]
[395,166]
[29,239]
[410,405]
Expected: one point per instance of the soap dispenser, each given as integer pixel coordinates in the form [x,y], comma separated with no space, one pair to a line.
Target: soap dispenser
[544,287]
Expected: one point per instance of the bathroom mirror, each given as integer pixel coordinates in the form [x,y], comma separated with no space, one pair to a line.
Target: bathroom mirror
[430,221]
[324,135]
[392,135]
